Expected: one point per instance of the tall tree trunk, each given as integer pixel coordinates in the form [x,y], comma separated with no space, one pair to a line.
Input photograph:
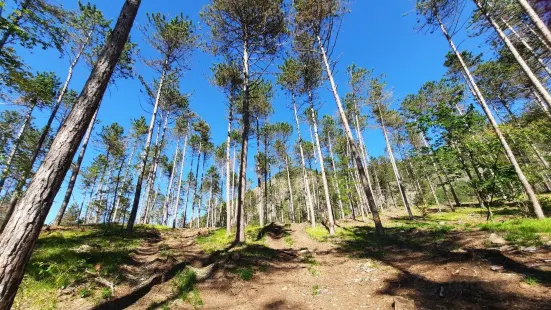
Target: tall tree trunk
[125,178]
[540,88]
[145,154]
[330,216]
[536,20]
[291,198]
[178,190]
[21,233]
[262,195]
[399,181]
[156,159]
[168,191]
[15,146]
[242,182]
[194,197]
[353,147]
[335,179]
[200,202]
[525,184]
[228,172]
[115,195]
[306,183]
[188,190]
[75,172]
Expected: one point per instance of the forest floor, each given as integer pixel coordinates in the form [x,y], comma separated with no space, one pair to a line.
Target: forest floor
[448,260]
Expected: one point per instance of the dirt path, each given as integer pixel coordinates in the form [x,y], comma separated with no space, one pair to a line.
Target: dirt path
[290,270]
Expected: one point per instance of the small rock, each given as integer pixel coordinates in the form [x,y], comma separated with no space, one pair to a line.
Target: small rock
[548,243]
[505,248]
[401,303]
[284,288]
[496,268]
[530,249]
[441,223]
[495,239]
[459,251]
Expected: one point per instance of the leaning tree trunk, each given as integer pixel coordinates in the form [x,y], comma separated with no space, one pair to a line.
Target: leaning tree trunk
[144,156]
[15,146]
[306,183]
[528,47]
[540,88]
[537,21]
[177,202]
[509,153]
[242,182]
[21,233]
[354,148]
[399,180]
[330,216]
[75,172]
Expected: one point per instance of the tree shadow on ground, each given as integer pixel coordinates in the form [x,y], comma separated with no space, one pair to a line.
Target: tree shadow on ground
[403,248]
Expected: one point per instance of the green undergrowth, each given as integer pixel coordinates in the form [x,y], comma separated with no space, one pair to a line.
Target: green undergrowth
[72,257]
[185,286]
[522,231]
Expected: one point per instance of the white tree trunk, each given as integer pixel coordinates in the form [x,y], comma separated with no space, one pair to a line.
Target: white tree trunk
[536,20]
[176,207]
[168,191]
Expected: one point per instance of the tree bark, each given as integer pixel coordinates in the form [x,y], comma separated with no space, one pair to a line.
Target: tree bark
[21,233]
[168,191]
[228,173]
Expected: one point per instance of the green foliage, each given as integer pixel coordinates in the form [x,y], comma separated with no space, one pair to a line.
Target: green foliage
[318,233]
[106,293]
[84,293]
[316,290]
[245,273]
[184,284]
[215,240]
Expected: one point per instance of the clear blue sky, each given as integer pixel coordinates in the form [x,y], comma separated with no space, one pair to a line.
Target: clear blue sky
[376,34]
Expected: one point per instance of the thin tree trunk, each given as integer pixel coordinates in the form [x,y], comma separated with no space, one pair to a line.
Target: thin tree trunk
[330,216]
[263,200]
[291,198]
[21,233]
[194,198]
[399,180]
[145,154]
[177,202]
[115,195]
[125,178]
[306,183]
[335,179]
[228,173]
[75,172]
[354,148]
[168,191]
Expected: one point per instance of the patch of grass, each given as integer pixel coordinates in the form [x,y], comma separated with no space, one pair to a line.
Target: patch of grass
[313,270]
[521,231]
[215,240]
[315,290]
[289,241]
[245,273]
[530,281]
[106,293]
[184,284]
[318,233]
[84,293]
